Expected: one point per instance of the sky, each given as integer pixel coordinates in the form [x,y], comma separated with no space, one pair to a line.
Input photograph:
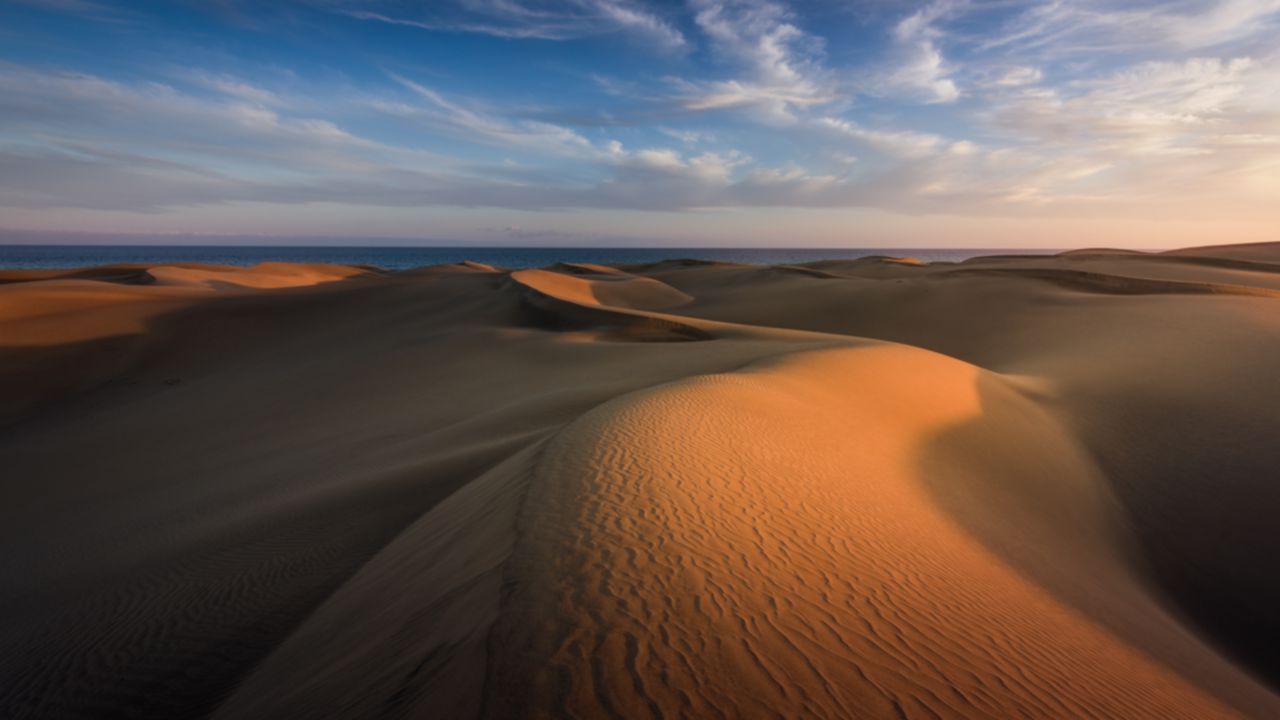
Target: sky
[774,123]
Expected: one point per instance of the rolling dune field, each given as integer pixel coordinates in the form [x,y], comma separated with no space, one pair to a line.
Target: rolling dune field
[1012,487]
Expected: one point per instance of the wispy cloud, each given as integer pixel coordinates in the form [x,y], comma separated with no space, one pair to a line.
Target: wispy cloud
[1017,76]
[1160,127]
[896,143]
[230,86]
[919,68]
[1087,26]
[780,66]
[476,125]
[51,105]
[565,20]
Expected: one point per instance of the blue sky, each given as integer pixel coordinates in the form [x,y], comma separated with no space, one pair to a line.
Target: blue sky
[595,122]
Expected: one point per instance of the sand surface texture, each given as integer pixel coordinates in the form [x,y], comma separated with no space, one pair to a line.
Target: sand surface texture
[1013,487]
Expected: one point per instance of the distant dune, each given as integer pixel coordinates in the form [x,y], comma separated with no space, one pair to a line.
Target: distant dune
[1023,486]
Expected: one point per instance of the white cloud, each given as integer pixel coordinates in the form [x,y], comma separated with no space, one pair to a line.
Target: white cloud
[1156,131]
[630,17]
[476,125]
[920,69]
[1018,76]
[896,143]
[688,137]
[565,20]
[56,105]
[1089,26]
[230,86]
[1152,107]
[782,76]
[775,104]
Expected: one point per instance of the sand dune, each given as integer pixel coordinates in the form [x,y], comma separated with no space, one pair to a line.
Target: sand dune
[613,290]
[1010,487]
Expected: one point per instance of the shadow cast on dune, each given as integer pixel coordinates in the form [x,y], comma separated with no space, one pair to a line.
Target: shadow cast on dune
[1048,510]
[1120,284]
[617,304]
[171,511]
[1197,486]
[193,536]
[549,313]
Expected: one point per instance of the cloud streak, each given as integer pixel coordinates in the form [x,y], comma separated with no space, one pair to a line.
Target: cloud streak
[920,68]
[525,19]
[1089,26]
[781,74]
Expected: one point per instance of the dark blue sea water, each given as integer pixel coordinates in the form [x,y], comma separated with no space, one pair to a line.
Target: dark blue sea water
[400,258]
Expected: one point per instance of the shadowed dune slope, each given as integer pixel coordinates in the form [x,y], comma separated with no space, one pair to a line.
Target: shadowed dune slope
[1016,487]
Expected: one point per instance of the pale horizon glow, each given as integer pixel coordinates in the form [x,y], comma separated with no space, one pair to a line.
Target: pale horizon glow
[638,123]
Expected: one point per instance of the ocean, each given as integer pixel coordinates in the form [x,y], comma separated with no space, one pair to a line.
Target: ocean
[401,258]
